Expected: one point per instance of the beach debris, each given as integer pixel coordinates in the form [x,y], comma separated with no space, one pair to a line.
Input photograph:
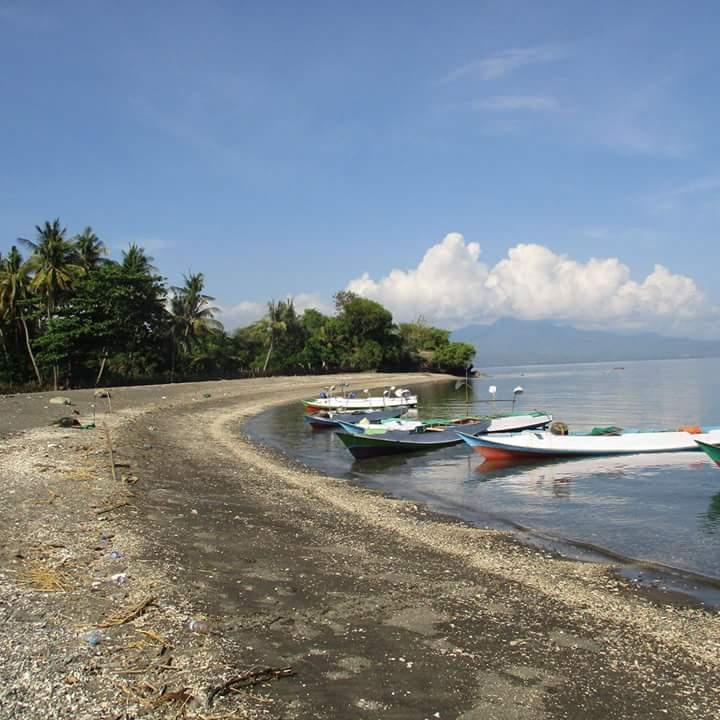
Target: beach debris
[42,578]
[119,578]
[178,698]
[60,400]
[93,638]
[115,555]
[66,422]
[199,626]
[110,508]
[72,422]
[155,637]
[251,677]
[128,615]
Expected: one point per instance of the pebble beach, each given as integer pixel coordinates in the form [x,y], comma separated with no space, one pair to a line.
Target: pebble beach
[163,565]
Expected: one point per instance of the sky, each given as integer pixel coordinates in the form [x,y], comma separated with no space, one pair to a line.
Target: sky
[462,161]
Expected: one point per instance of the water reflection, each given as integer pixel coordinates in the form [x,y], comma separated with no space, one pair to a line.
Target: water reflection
[540,470]
[710,520]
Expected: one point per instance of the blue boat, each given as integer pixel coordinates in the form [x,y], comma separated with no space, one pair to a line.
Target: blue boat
[326,419]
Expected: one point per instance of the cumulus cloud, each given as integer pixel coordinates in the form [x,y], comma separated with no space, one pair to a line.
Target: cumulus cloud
[248,311]
[241,314]
[452,286]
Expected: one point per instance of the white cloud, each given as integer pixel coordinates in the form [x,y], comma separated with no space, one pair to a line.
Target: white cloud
[517,102]
[242,314]
[247,312]
[503,63]
[453,287]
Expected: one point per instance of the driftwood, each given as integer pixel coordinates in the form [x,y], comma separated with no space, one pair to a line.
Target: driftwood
[254,676]
[128,615]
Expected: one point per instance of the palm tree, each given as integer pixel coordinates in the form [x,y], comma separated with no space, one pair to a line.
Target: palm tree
[275,323]
[193,316]
[15,284]
[55,264]
[90,249]
[135,260]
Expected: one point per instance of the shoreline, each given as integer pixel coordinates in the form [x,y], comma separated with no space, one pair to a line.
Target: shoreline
[679,581]
[342,584]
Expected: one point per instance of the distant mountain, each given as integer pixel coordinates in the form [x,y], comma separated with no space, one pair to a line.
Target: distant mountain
[534,342]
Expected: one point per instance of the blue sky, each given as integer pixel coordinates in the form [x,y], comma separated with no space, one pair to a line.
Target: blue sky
[289,148]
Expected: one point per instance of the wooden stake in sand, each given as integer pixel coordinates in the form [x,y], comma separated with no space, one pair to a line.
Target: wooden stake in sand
[110,451]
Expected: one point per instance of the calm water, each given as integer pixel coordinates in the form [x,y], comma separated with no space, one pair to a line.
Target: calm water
[663,508]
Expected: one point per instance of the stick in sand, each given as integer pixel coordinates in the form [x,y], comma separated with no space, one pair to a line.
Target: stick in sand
[112,453]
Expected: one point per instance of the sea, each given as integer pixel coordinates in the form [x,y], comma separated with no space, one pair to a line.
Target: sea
[656,511]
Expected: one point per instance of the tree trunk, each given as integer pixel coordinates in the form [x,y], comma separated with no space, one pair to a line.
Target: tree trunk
[102,367]
[267,357]
[29,348]
[51,305]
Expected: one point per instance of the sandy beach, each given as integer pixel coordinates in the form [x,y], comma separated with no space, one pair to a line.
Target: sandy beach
[213,578]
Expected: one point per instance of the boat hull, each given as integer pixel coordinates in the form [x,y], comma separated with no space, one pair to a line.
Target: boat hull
[334,419]
[710,445]
[505,423]
[394,442]
[545,444]
[359,403]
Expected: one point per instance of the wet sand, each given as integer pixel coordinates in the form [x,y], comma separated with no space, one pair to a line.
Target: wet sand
[378,608]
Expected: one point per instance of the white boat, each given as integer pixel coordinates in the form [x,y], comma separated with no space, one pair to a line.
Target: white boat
[548,444]
[498,424]
[392,398]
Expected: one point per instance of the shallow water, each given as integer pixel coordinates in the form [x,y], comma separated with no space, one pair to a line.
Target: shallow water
[662,508]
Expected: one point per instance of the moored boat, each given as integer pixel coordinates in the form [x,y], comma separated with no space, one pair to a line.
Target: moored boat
[509,422]
[391,398]
[710,443]
[367,445]
[548,444]
[371,441]
[329,418]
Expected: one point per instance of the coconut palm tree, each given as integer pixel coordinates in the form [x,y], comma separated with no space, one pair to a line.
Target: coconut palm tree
[15,282]
[90,249]
[193,316]
[275,323]
[134,259]
[55,264]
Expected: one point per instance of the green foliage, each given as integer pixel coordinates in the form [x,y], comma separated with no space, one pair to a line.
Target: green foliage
[116,318]
[70,315]
[421,337]
[454,358]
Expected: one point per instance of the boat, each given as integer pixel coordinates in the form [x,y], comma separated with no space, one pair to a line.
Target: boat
[429,435]
[600,441]
[710,443]
[507,422]
[329,418]
[391,398]
[367,445]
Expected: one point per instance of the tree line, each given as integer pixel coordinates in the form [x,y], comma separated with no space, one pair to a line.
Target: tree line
[71,317]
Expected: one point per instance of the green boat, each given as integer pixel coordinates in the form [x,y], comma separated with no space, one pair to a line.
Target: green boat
[710,443]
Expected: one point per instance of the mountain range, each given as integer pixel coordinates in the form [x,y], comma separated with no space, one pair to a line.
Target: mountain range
[534,342]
